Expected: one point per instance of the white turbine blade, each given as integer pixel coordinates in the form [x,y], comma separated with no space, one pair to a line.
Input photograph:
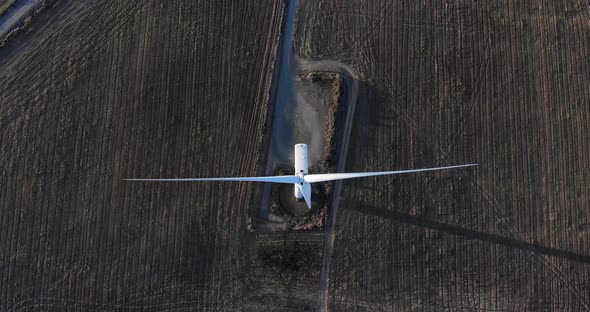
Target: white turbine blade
[314,178]
[275,179]
[305,188]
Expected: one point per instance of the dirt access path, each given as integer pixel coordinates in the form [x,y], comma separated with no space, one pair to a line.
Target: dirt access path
[16,14]
[352,82]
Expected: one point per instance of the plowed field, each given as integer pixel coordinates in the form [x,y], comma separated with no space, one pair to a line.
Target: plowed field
[503,84]
[93,92]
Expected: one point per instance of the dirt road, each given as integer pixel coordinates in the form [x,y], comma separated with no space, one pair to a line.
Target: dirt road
[352,82]
[16,14]
[281,128]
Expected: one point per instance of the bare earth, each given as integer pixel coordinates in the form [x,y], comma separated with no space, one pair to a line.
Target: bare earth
[92,92]
[451,82]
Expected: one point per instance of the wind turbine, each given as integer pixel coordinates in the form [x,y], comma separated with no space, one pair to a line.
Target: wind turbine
[302,180]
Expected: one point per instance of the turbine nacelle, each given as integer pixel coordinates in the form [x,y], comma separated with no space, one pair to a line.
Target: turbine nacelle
[301,165]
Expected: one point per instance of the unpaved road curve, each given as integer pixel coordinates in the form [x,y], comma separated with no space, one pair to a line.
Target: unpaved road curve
[352,81]
[16,14]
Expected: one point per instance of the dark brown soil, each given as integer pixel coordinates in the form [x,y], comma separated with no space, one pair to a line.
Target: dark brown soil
[93,92]
[286,275]
[295,207]
[450,82]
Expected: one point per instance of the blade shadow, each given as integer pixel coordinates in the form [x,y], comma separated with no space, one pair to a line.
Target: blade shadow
[470,234]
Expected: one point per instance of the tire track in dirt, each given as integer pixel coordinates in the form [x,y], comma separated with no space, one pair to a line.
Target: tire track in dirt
[352,81]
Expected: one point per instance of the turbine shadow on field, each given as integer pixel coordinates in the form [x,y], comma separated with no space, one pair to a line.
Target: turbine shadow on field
[470,234]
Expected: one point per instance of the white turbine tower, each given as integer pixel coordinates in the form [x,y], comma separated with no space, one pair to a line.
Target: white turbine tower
[302,180]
